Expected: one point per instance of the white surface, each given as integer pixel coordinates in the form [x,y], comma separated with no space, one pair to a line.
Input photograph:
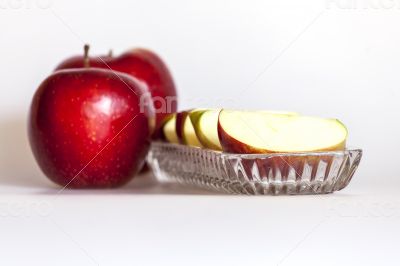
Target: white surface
[146,224]
[329,58]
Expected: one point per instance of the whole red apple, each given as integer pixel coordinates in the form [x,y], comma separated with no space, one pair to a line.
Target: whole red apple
[87,128]
[143,65]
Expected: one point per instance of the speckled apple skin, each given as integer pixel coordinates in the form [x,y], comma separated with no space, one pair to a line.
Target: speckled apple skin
[86,128]
[143,65]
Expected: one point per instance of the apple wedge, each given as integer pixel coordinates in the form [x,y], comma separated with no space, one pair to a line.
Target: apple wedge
[185,130]
[169,130]
[262,132]
[205,123]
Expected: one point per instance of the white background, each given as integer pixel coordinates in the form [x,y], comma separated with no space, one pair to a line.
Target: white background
[333,58]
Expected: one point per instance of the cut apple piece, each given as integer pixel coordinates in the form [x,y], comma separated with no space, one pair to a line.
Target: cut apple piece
[205,123]
[258,132]
[180,119]
[185,130]
[169,130]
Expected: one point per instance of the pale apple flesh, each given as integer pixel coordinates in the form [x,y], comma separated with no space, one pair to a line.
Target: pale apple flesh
[169,130]
[205,123]
[255,132]
[189,135]
[184,129]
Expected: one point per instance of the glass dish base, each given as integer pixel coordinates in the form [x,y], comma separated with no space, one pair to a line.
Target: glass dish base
[254,174]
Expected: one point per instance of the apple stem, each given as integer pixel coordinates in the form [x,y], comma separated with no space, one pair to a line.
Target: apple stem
[86,55]
[110,53]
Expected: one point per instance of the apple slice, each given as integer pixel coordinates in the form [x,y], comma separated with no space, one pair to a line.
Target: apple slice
[258,132]
[169,130]
[205,123]
[185,130]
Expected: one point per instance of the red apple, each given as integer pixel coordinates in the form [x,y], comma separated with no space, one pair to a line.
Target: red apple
[87,128]
[143,65]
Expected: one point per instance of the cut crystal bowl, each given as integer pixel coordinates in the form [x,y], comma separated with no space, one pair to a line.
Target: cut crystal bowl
[254,174]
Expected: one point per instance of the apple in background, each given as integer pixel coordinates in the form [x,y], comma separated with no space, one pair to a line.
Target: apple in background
[142,64]
[185,130]
[255,132]
[87,129]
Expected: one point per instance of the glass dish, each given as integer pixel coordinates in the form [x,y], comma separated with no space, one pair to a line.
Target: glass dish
[254,174]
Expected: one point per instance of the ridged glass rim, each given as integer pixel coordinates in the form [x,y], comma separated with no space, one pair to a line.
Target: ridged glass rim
[263,155]
[322,172]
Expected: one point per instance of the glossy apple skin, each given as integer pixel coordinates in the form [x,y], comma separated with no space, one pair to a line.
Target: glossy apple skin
[86,128]
[143,65]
